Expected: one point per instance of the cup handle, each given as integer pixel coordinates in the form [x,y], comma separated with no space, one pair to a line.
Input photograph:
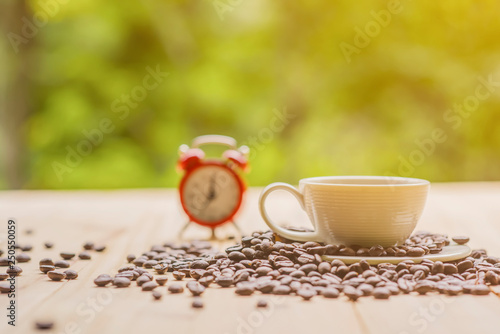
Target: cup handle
[293,235]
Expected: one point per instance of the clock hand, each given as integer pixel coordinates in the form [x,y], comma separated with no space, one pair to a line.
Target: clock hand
[211,191]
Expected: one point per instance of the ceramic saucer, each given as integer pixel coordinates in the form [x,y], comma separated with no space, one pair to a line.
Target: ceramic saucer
[449,253]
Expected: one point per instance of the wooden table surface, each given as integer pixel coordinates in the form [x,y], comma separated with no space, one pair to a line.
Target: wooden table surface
[130,221]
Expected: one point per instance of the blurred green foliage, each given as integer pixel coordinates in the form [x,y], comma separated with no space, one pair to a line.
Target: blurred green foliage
[233,64]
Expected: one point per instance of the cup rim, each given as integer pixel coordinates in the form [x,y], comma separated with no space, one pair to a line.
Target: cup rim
[410,181]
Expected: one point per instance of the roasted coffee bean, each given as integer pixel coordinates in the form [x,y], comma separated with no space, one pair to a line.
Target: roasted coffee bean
[3,276]
[381,293]
[453,290]
[44,325]
[23,258]
[347,251]
[330,293]
[352,293]
[157,295]
[461,240]
[121,282]
[197,303]
[14,271]
[480,290]
[103,280]
[243,289]
[324,267]
[5,288]
[46,262]
[26,248]
[130,258]
[4,262]
[56,275]
[88,245]
[195,288]
[178,275]
[150,264]
[71,274]
[149,286]
[376,250]
[282,290]
[437,268]
[161,280]
[224,281]
[236,256]
[142,279]
[464,265]
[200,264]
[61,264]
[449,269]
[415,252]
[84,256]
[424,287]
[49,245]
[46,268]
[262,303]
[100,248]
[67,256]
[306,294]
[206,281]
[175,288]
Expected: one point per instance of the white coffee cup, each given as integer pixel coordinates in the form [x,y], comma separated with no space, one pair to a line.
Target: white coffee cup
[355,210]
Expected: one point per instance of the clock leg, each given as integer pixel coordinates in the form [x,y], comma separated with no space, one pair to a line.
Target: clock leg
[183,229]
[213,237]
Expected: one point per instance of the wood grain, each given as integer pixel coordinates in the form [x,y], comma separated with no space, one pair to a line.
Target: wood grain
[130,221]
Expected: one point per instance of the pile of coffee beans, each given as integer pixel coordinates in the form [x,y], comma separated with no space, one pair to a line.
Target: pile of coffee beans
[266,264]
[418,244]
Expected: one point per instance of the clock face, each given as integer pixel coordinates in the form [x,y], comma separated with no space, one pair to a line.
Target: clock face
[211,194]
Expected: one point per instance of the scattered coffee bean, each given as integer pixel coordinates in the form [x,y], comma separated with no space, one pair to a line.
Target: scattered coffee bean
[23,258]
[44,325]
[461,240]
[149,286]
[197,303]
[61,264]
[26,248]
[4,262]
[130,258]
[48,245]
[67,256]
[262,303]
[5,287]
[56,275]
[103,280]
[244,289]
[179,275]
[46,262]
[84,256]
[224,281]
[3,276]
[331,293]
[88,245]
[480,290]
[157,295]
[195,288]
[381,293]
[71,274]
[161,280]
[46,268]
[306,294]
[14,271]
[100,248]
[121,282]
[175,288]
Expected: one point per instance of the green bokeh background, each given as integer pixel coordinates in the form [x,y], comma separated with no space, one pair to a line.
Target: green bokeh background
[232,66]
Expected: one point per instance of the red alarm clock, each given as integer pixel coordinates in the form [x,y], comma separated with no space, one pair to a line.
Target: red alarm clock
[211,190]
